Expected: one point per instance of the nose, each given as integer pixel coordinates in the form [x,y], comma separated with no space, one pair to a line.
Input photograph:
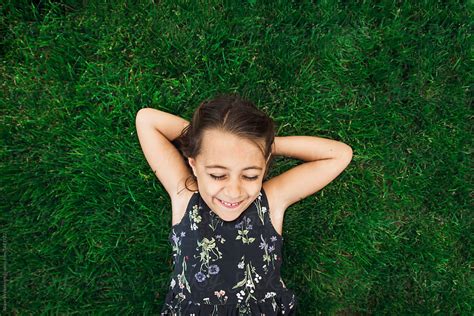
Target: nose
[233,191]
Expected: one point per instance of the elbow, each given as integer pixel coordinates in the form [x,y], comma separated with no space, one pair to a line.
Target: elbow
[142,111]
[347,153]
[141,115]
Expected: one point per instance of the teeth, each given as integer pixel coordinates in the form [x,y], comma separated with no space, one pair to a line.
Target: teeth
[230,204]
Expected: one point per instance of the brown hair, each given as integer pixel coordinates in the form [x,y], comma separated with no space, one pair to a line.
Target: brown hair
[228,113]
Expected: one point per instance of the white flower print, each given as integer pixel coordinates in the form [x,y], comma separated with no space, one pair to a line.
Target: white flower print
[273,238]
[261,210]
[241,263]
[272,296]
[194,217]
[249,284]
[257,278]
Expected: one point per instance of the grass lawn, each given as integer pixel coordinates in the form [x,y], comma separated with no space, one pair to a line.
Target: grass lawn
[85,221]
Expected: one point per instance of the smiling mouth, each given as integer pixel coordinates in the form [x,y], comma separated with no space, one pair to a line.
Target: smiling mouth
[230,205]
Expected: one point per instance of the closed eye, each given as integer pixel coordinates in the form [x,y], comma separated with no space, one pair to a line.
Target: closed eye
[222,177]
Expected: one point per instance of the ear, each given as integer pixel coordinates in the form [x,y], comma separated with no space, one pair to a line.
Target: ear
[192,163]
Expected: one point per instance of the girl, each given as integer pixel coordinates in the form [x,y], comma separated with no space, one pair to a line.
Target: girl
[227,224]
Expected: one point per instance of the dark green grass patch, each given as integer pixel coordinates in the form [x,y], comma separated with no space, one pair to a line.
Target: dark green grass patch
[85,221]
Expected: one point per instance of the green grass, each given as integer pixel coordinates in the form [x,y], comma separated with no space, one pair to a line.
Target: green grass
[85,221]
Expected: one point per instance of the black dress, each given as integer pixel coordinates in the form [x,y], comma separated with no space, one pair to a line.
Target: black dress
[227,267]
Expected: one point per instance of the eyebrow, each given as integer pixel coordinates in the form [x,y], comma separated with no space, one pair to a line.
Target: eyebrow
[222,167]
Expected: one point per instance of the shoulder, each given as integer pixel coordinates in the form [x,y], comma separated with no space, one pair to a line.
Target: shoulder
[277,208]
[179,204]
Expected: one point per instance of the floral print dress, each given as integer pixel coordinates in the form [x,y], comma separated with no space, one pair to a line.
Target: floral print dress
[227,267]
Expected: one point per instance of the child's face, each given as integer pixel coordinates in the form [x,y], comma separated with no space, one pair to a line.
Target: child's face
[236,184]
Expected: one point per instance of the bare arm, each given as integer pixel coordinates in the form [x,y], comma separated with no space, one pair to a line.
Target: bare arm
[310,148]
[155,130]
[167,124]
[325,160]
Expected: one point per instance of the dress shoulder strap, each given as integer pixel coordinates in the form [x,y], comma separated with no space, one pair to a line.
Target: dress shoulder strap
[261,204]
[265,211]
[189,206]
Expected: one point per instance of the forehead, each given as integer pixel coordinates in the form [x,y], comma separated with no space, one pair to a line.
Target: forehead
[233,152]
